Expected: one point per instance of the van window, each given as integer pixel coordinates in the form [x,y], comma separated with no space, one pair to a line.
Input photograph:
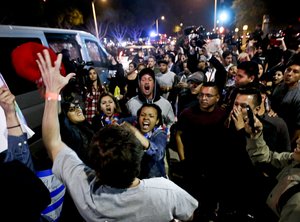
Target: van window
[95,52]
[59,42]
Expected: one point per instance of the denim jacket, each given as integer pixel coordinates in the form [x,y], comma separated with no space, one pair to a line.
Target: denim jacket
[18,149]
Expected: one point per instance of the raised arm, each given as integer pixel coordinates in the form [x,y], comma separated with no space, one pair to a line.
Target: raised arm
[18,148]
[53,82]
[259,151]
[7,100]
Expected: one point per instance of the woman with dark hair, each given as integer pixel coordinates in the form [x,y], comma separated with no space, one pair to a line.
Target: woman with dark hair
[153,137]
[93,91]
[76,131]
[109,112]
[132,83]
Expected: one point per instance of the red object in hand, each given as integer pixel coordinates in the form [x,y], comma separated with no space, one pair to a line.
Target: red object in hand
[24,60]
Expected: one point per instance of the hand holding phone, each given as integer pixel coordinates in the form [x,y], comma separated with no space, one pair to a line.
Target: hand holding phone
[250,118]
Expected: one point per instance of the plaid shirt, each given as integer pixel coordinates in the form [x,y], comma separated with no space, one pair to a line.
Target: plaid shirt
[91,104]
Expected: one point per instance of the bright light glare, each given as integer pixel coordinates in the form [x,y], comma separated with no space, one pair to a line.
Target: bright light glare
[245,27]
[153,34]
[123,44]
[224,16]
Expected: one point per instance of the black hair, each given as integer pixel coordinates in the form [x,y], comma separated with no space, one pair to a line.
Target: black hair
[254,91]
[226,53]
[147,71]
[134,64]
[116,156]
[158,109]
[172,56]
[211,84]
[251,69]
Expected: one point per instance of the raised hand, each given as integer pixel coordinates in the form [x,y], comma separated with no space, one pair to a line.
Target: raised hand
[7,100]
[296,153]
[51,76]
[257,125]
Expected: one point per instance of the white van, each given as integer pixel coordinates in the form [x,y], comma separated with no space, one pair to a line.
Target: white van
[84,48]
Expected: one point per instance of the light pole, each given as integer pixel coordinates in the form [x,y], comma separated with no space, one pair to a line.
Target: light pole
[215,16]
[95,19]
[156,23]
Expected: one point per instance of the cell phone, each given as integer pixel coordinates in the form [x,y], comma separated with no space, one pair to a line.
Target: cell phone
[275,42]
[2,81]
[250,118]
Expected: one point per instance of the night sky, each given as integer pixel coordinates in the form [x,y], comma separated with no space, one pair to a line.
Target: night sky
[188,12]
[142,12]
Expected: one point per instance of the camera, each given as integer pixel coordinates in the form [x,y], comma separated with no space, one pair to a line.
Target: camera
[197,33]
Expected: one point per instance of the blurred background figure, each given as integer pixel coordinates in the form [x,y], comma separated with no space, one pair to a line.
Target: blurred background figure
[93,91]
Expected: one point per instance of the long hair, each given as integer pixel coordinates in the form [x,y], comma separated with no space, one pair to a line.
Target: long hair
[103,94]
[90,83]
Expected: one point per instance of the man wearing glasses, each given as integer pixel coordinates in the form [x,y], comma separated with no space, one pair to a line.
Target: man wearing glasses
[198,138]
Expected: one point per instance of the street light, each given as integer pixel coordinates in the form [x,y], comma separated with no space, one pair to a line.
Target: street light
[95,19]
[156,22]
[244,40]
[236,35]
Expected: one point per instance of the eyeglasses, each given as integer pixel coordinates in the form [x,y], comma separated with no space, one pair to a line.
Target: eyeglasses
[74,107]
[209,96]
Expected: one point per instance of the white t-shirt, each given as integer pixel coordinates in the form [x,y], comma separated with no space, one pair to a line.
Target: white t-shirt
[155,199]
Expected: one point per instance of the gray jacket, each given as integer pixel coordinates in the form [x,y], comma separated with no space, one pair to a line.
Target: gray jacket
[289,176]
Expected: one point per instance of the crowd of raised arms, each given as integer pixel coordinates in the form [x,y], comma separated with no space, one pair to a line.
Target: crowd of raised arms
[229,114]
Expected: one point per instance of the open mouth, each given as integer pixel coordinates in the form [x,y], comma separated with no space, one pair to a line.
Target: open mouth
[146,125]
[108,111]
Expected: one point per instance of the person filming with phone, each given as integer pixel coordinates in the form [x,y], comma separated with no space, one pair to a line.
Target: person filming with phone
[285,195]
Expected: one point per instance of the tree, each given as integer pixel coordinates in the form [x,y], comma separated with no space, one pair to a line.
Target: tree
[135,32]
[102,28]
[118,32]
[249,13]
[70,18]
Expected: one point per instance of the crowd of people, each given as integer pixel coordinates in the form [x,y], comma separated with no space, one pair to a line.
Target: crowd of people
[232,116]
